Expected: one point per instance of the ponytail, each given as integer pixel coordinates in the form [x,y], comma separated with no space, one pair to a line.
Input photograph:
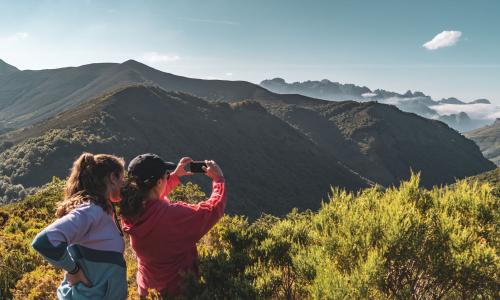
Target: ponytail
[88,181]
[134,196]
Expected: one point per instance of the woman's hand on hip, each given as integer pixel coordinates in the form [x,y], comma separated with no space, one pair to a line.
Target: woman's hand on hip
[74,279]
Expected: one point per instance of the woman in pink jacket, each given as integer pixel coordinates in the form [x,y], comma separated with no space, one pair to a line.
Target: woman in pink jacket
[164,234]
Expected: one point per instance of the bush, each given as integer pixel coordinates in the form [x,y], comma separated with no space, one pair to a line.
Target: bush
[10,192]
[24,220]
[38,284]
[399,243]
[403,242]
[189,192]
[17,161]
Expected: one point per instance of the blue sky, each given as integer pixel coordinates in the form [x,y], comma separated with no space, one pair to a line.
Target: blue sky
[374,43]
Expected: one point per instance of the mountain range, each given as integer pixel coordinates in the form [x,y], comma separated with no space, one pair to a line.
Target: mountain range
[488,139]
[278,151]
[415,102]
[27,97]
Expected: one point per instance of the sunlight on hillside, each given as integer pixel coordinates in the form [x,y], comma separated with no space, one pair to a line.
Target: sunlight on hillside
[404,242]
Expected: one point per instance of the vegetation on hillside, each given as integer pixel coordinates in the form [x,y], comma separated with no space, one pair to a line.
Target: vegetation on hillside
[359,142]
[271,160]
[492,177]
[488,140]
[399,243]
[24,161]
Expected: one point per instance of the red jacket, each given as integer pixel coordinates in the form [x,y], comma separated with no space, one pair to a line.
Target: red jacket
[164,237]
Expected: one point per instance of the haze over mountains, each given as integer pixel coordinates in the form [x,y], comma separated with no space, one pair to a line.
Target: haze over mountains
[458,114]
[278,151]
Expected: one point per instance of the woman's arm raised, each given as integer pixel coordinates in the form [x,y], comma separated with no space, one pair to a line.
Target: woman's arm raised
[195,220]
[173,180]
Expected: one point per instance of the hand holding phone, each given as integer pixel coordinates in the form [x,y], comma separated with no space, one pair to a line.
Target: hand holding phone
[181,167]
[197,166]
[213,170]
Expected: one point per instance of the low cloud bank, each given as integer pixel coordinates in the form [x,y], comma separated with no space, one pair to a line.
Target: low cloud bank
[475,111]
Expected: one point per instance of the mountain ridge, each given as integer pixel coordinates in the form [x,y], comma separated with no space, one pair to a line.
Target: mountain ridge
[356,91]
[415,102]
[5,68]
[371,141]
[27,97]
[267,165]
[488,140]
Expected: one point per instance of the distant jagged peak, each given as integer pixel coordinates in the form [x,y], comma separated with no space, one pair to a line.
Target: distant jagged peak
[480,101]
[419,94]
[497,122]
[451,100]
[460,117]
[463,116]
[6,68]
[408,94]
[302,86]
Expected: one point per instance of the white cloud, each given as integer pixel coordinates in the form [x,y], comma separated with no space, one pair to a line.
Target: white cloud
[16,37]
[229,74]
[495,115]
[475,111]
[368,95]
[391,100]
[443,39]
[155,57]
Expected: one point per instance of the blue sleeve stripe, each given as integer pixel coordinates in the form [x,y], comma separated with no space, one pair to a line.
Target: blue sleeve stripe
[42,244]
[80,252]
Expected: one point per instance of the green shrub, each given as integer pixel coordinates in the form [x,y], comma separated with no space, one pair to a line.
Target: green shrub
[38,284]
[400,243]
[25,219]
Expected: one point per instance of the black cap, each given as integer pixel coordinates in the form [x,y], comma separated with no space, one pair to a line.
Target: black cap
[149,167]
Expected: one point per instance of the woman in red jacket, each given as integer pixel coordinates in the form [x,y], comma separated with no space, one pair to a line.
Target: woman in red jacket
[164,234]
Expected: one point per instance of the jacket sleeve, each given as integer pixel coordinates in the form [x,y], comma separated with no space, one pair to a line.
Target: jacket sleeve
[172,183]
[193,221]
[53,241]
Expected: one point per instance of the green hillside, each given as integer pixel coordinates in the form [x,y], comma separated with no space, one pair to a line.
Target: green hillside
[28,97]
[48,116]
[383,144]
[286,154]
[493,177]
[488,140]
[398,243]
[270,166]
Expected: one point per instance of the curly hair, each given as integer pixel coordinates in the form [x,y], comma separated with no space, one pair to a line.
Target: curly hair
[88,182]
[134,196]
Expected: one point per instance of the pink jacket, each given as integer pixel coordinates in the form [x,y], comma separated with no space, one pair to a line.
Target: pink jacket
[164,237]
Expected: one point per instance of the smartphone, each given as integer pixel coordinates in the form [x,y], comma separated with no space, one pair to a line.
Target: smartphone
[196,166]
